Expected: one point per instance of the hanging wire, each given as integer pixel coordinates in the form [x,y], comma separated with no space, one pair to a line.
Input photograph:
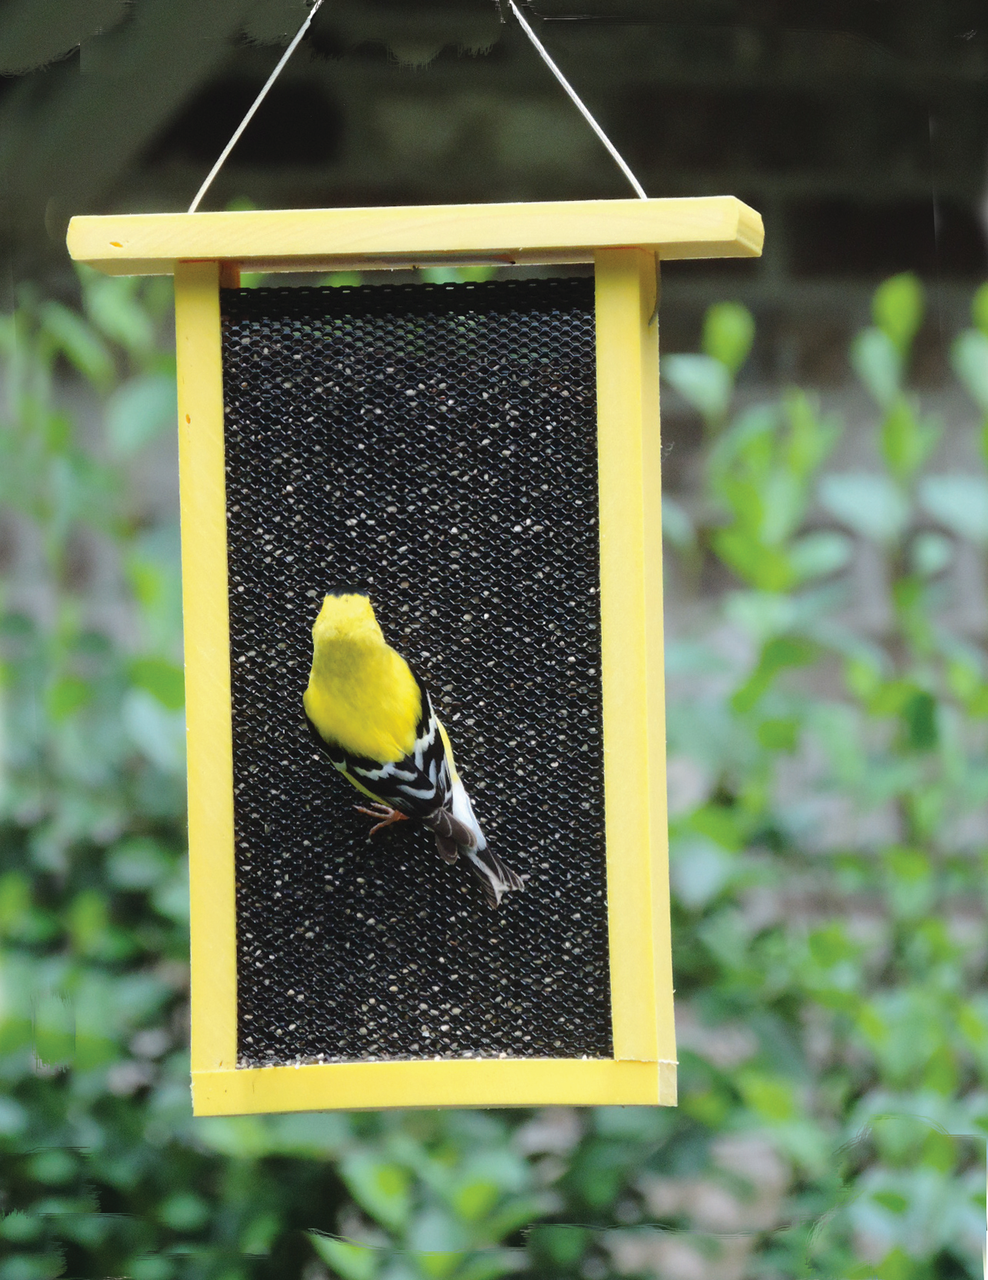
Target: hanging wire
[542,51]
[616,155]
[253,108]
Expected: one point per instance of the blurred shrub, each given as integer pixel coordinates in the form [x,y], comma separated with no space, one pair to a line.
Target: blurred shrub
[828,862]
[827,854]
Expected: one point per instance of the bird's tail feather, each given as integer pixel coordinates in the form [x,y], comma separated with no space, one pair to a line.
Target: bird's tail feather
[446,827]
[495,878]
[454,837]
[447,848]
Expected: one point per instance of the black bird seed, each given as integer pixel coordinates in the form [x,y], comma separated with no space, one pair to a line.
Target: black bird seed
[434,447]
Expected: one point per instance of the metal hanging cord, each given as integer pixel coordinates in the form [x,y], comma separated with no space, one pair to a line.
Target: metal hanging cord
[616,155]
[297,40]
[253,108]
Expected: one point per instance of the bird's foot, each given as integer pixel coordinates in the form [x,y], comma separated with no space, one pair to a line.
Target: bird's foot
[383,811]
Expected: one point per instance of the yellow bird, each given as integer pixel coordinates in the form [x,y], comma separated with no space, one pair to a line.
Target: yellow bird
[373,717]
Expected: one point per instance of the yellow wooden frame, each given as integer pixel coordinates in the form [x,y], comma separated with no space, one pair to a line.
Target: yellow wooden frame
[625,239]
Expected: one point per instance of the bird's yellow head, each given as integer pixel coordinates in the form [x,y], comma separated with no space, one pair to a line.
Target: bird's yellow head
[347,620]
[361,694]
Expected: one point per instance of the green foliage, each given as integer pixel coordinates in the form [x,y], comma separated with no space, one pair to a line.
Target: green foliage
[728,332]
[827,860]
[868,979]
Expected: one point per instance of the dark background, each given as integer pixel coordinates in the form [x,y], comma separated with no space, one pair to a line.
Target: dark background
[859,130]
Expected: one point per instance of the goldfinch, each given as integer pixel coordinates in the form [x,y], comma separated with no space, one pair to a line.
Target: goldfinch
[372,716]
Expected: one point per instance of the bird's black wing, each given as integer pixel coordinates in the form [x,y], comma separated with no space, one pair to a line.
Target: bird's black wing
[416,785]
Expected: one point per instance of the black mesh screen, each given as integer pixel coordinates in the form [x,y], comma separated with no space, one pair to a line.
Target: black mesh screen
[433,446]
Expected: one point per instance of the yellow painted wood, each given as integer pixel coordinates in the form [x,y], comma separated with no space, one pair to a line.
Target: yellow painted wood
[631,654]
[207,665]
[655,674]
[624,238]
[320,239]
[474,1082]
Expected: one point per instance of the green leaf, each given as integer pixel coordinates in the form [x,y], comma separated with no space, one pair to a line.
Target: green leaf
[341,280]
[54,1168]
[157,732]
[491,1264]
[930,554]
[959,502]
[66,696]
[260,1234]
[457,275]
[919,715]
[140,409]
[162,679]
[897,308]
[171,899]
[720,823]
[711,1107]
[474,1198]
[728,332]
[870,505]
[906,439]
[138,863]
[54,1030]
[350,1261]
[78,342]
[830,945]
[766,568]
[770,1097]
[969,357]
[898,1265]
[561,1246]
[184,1211]
[783,505]
[115,308]
[776,655]
[779,733]
[597,1174]
[979,308]
[511,1216]
[21,1228]
[811,436]
[761,614]
[438,1242]
[911,888]
[702,381]
[87,920]
[436,1231]
[699,869]
[15,901]
[152,1268]
[379,1186]
[972,1022]
[816,555]
[748,446]
[878,363]
[894,1201]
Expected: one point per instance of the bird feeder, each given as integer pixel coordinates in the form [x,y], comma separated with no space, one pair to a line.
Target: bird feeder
[483,460]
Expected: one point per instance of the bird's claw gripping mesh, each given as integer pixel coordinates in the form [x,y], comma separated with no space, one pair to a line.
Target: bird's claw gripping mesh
[435,448]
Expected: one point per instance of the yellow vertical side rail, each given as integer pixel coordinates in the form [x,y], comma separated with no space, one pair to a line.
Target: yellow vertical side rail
[655,687]
[207,665]
[632,659]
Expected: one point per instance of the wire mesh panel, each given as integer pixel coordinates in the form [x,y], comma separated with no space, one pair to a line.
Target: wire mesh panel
[434,447]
